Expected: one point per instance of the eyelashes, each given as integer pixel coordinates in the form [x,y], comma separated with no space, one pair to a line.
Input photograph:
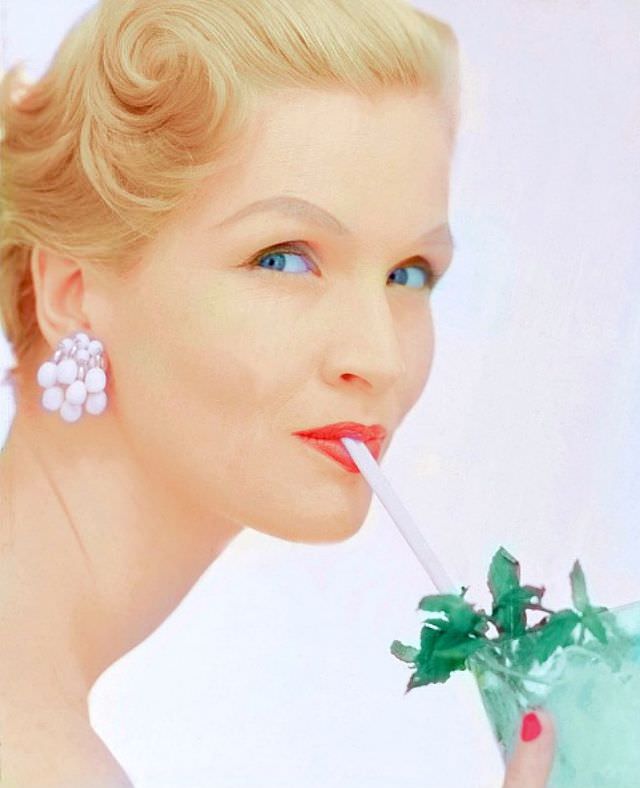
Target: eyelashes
[430,277]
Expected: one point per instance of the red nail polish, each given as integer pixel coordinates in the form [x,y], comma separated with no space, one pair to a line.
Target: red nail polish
[531,727]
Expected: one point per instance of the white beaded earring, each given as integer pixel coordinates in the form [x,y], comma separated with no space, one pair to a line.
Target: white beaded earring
[79,364]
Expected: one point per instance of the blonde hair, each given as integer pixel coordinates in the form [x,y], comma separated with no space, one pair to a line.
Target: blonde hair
[145,98]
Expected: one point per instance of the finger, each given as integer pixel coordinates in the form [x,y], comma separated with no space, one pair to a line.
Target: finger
[532,759]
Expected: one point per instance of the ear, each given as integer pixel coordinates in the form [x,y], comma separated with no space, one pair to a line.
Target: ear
[59,291]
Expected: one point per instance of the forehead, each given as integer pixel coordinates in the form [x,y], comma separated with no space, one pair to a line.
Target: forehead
[328,142]
[342,126]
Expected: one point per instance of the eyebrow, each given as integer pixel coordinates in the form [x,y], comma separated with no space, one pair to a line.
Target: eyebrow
[298,207]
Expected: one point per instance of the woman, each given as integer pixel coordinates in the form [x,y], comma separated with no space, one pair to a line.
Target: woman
[231,215]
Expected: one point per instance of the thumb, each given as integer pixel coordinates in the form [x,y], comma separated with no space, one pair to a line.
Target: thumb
[532,759]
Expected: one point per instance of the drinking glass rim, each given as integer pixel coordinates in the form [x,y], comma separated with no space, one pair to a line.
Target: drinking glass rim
[620,607]
[479,657]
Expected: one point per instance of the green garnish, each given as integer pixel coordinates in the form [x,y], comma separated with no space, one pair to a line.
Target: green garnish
[455,629]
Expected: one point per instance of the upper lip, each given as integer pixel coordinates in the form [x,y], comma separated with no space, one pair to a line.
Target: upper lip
[345,429]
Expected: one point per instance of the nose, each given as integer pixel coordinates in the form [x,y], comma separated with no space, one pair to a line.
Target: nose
[366,344]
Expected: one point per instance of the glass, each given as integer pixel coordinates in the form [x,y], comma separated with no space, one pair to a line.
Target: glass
[591,689]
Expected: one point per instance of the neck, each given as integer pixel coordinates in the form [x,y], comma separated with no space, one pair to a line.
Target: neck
[94,554]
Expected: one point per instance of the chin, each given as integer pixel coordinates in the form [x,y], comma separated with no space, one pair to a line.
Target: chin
[312,531]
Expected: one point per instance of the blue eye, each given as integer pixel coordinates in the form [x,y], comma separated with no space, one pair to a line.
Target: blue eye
[423,281]
[277,260]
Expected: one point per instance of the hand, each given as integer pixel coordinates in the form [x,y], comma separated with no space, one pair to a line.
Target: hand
[531,762]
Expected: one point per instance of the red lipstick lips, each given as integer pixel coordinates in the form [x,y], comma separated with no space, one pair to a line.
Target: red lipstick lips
[345,429]
[327,440]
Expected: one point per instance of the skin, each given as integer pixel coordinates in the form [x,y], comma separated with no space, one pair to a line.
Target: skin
[107,523]
[531,762]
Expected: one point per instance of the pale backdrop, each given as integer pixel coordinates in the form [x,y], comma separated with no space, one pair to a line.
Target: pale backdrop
[275,670]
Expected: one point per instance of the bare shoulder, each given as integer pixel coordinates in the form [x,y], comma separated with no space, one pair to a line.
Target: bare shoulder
[80,759]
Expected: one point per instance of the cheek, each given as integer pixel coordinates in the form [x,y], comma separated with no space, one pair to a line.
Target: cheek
[208,373]
[420,347]
[227,349]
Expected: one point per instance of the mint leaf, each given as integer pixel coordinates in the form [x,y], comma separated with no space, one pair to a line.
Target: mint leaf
[431,661]
[463,650]
[578,588]
[445,642]
[509,614]
[590,619]
[504,574]
[592,622]
[442,603]
[405,653]
[555,633]
[460,614]
[417,680]
[432,668]
[510,599]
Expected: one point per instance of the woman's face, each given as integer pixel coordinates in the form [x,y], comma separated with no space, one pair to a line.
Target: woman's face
[222,344]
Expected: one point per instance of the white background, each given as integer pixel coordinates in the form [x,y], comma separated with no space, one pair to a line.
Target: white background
[275,670]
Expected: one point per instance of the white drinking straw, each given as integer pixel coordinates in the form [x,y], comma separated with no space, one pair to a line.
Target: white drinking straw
[370,469]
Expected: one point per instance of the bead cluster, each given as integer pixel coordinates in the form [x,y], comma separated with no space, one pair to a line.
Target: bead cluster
[78,364]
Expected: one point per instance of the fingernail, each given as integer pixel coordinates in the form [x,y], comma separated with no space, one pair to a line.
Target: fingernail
[531,727]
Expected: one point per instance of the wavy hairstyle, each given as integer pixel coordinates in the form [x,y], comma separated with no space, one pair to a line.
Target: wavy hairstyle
[145,98]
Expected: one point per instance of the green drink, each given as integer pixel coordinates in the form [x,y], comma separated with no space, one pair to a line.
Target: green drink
[582,665]
[592,690]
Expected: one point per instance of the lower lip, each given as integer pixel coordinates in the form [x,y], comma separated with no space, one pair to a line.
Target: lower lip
[336,450]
